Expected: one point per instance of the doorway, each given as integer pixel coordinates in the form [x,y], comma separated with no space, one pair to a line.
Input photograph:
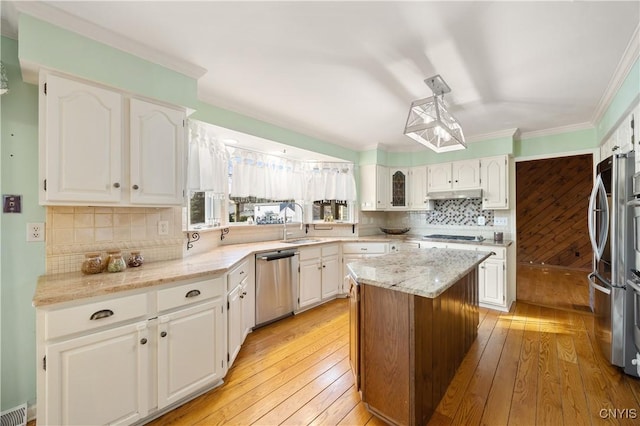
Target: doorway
[552,198]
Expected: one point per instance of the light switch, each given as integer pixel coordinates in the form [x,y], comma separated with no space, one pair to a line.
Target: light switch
[482,221]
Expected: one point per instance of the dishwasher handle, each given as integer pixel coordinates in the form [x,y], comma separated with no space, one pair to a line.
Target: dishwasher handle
[275,256]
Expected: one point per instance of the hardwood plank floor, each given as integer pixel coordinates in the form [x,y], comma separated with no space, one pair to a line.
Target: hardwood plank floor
[536,365]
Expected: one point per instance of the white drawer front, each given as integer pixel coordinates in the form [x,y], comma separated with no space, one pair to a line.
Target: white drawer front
[330,250]
[191,292]
[310,253]
[238,274]
[364,248]
[86,317]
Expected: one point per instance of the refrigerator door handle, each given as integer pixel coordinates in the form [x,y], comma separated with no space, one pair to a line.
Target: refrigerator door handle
[598,189]
[592,277]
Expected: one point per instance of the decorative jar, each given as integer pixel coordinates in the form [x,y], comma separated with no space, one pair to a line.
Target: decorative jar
[116,263]
[135,259]
[92,264]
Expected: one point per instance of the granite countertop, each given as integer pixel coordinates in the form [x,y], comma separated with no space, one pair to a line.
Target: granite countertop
[66,287]
[422,272]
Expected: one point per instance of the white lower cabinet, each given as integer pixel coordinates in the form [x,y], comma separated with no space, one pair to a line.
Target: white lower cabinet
[116,360]
[189,353]
[319,275]
[241,306]
[100,378]
[352,252]
[491,282]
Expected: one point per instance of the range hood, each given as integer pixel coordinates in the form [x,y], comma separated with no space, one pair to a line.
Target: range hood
[454,194]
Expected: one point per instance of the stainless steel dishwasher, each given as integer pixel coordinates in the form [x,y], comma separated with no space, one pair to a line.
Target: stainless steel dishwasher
[276,284]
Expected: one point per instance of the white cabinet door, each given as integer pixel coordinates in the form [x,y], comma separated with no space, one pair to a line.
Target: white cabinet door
[439,176]
[310,289]
[374,187]
[248,306]
[495,179]
[191,350]
[398,188]
[418,188]
[81,140]
[100,378]
[331,280]
[491,282]
[465,174]
[157,154]
[235,325]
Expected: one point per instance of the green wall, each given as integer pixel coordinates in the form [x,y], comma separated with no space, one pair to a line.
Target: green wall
[21,262]
[579,140]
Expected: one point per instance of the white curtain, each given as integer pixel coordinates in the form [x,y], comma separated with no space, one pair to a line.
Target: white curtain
[265,176]
[330,181]
[208,168]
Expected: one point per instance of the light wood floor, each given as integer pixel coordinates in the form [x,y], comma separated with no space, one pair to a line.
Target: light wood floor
[535,365]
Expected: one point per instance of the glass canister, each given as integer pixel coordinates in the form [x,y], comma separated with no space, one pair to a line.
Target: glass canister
[92,264]
[107,258]
[135,259]
[116,263]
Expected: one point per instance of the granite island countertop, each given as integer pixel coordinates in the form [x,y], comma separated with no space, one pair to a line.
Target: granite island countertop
[422,272]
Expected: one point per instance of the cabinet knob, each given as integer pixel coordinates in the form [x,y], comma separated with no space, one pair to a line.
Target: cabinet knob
[143,341]
[116,185]
[242,296]
[456,181]
[163,334]
[244,293]
[324,266]
[135,187]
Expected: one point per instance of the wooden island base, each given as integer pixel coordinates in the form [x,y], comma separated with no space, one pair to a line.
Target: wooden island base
[411,347]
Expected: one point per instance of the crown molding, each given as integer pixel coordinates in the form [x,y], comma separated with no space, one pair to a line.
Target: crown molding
[55,16]
[631,54]
[557,130]
[507,133]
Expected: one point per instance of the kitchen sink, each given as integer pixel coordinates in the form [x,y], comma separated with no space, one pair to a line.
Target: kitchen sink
[301,241]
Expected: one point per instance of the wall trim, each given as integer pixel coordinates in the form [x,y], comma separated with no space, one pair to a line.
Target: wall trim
[557,130]
[593,151]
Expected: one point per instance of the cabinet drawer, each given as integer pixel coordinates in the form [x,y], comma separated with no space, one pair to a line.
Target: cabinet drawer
[191,292]
[364,248]
[310,253]
[330,250]
[500,252]
[89,316]
[238,274]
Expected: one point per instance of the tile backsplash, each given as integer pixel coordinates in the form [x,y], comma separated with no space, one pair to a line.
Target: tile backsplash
[73,231]
[463,212]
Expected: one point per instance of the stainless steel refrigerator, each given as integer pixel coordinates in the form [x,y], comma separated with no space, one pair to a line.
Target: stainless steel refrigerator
[609,230]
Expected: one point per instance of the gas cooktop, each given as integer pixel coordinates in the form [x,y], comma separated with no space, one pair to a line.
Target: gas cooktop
[451,237]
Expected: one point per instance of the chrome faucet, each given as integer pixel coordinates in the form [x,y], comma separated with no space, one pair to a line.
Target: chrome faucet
[284,232]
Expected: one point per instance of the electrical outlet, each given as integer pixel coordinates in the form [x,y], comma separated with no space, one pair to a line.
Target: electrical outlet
[35,232]
[163,227]
[499,221]
[482,221]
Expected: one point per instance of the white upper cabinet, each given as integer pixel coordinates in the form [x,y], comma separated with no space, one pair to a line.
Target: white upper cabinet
[157,154]
[418,188]
[81,143]
[399,188]
[495,182]
[87,157]
[456,175]
[465,174]
[374,187]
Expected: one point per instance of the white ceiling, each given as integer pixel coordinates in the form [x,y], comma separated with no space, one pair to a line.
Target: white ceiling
[346,72]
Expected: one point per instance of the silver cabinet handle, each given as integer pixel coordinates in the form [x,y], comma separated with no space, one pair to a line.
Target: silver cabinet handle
[192,293]
[105,313]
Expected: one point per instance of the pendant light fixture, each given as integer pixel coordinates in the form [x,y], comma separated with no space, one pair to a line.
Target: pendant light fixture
[4,82]
[429,122]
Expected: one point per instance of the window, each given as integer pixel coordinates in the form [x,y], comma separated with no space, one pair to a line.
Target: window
[331,211]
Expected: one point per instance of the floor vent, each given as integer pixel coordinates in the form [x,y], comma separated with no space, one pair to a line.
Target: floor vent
[16,416]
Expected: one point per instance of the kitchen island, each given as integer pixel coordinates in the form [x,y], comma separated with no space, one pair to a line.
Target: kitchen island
[413,316]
